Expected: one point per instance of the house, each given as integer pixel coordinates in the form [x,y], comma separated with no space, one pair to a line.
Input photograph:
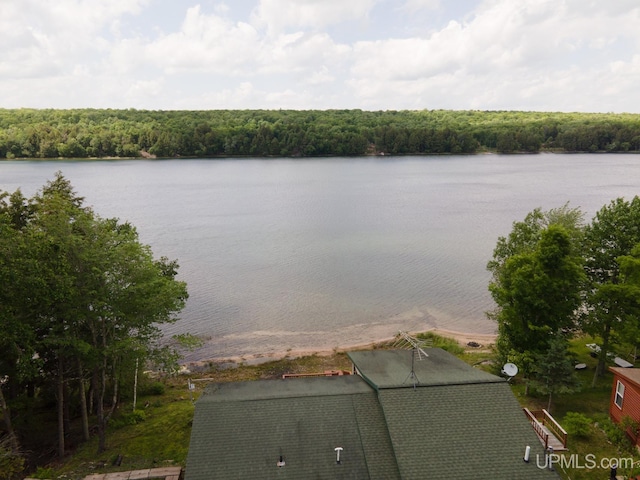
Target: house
[400,417]
[625,397]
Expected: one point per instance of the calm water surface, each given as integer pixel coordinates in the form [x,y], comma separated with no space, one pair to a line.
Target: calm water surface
[318,253]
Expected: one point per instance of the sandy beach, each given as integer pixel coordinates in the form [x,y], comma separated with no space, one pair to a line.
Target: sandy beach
[484,340]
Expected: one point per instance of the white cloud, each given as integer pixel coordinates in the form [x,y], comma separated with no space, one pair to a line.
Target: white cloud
[525,54]
[532,45]
[216,45]
[205,43]
[413,6]
[304,53]
[320,76]
[278,15]
[41,39]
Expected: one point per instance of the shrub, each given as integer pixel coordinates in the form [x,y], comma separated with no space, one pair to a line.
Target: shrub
[155,388]
[448,344]
[44,473]
[11,465]
[131,418]
[617,435]
[577,424]
[629,424]
[11,462]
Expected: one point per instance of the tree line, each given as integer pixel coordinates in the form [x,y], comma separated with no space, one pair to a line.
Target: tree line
[81,302]
[554,277]
[91,133]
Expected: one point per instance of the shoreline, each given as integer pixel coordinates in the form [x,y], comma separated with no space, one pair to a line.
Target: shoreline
[463,338]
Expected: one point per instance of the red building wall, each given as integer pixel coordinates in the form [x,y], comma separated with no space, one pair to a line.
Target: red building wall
[630,401]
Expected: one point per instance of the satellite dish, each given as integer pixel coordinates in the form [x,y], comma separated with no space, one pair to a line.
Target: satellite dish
[510,369]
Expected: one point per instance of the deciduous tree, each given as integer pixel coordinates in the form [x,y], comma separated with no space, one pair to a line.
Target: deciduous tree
[80,298]
[612,234]
[536,284]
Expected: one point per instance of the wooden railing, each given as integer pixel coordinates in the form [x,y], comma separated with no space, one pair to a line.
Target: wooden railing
[540,418]
[537,426]
[550,422]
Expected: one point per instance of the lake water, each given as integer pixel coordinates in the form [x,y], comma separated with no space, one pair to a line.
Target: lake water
[313,254]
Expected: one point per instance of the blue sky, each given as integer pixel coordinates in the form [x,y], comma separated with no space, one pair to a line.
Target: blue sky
[553,55]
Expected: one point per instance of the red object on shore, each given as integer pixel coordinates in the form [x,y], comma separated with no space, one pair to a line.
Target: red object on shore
[326,373]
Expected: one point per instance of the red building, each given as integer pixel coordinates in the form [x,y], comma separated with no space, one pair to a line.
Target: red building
[625,397]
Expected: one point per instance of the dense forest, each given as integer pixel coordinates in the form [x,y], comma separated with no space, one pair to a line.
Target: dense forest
[80,307]
[82,133]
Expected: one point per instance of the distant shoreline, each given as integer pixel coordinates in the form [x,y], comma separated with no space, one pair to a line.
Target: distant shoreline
[306,157]
[107,133]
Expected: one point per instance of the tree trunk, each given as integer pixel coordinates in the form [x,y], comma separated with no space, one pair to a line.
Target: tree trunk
[114,398]
[602,357]
[83,405]
[100,410]
[549,403]
[67,407]
[60,409]
[135,387]
[93,391]
[6,414]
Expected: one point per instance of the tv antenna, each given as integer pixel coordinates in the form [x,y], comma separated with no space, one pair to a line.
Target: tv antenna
[510,370]
[405,340]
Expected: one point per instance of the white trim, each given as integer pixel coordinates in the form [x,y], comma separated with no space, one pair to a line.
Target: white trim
[619,394]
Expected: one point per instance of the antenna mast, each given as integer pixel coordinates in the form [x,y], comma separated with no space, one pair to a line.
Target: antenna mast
[404,340]
[412,375]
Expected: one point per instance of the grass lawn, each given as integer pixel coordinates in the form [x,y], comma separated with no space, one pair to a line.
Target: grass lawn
[161,438]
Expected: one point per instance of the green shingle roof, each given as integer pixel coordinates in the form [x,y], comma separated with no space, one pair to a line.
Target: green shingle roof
[241,429]
[458,422]
[473,431]
[392,369]
[285,388]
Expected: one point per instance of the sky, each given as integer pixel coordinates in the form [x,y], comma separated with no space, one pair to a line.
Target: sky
[534,55]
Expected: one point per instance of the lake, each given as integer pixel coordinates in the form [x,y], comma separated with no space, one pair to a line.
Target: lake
[311,254]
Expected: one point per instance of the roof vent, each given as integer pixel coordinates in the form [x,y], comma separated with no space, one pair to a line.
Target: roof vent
[527,452]
[281,462]
[338,450]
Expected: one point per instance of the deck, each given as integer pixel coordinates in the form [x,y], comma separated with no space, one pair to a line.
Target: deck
[550,433]
[167,473]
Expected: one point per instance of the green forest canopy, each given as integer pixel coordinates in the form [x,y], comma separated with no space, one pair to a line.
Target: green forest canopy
[82,301]
[82,133]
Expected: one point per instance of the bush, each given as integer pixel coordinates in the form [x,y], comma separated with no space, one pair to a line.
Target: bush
[11,464]
[617,435]
[131,418]
[577,424]
[44,473]
[155,388]
[11,461]
[448,344]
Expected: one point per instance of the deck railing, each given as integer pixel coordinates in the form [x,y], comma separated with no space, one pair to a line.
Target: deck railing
[550,422]
[540,418]
[537,426]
